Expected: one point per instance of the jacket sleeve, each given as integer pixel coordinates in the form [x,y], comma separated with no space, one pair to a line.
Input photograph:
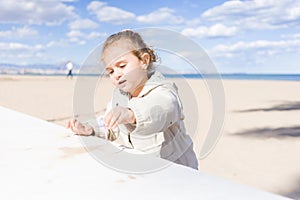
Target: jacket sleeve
[156,111]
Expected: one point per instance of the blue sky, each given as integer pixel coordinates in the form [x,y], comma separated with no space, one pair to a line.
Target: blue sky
[253,36]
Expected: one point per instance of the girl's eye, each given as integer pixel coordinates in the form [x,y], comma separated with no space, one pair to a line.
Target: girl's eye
[122,66]
[110,71]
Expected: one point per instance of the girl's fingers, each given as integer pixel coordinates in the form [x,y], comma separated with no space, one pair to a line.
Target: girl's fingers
[117,115]
[72,126]
[108,118]
[78,128]
[112,124]
[73,129]
[74,122]
[69,124]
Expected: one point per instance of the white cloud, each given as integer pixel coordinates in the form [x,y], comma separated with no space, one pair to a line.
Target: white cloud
[34,12]
[83,24]
[193,22]
[292,36]
[116,15]
[82,42]
[260,47]
[22,32]
[75,33]
[80,37]
[79,34]
[93,35]
[217,30]
[13,46]
[20,50]
[111,14]
[53,43]
[161,16]
[257,14]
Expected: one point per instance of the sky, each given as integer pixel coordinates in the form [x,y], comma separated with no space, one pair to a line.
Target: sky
[251,36]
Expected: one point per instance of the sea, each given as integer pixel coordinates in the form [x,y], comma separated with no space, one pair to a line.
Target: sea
[225,76]
[277,77]
[282,77]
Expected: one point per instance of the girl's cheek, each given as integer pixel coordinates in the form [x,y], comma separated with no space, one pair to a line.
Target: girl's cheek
[133,74]
[113,81]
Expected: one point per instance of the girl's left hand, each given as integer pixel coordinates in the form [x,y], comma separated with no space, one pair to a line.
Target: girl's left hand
[79,128]
[119,115]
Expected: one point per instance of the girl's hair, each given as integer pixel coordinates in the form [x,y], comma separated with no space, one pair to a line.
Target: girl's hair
[136,44]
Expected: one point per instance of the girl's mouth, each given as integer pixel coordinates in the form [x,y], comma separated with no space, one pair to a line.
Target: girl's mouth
[122,81]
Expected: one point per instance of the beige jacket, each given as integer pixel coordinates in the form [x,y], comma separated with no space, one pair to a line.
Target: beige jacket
[159,128]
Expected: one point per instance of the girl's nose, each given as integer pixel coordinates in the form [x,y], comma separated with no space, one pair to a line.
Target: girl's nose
[117,74]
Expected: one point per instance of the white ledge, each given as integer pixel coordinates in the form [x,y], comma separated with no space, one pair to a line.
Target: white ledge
[40,160]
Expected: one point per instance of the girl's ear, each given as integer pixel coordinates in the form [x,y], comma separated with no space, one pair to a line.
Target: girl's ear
[145,58]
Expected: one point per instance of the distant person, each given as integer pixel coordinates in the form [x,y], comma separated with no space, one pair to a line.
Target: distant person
[69,66]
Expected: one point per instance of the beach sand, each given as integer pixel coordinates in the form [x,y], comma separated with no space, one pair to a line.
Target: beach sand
[260,142]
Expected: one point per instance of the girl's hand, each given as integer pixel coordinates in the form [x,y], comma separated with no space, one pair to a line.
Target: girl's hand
[79,128]
[119,115]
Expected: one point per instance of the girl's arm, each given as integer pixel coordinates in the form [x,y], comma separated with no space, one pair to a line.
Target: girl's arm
[156,111]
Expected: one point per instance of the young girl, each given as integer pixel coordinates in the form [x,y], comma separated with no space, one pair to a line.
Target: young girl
[145,106]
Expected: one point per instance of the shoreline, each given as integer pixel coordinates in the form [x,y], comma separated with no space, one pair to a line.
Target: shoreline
[225,76]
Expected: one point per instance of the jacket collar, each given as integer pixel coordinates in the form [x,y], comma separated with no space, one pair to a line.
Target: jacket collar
[157,79]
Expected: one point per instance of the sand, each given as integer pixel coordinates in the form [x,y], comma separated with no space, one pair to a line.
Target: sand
[260,141]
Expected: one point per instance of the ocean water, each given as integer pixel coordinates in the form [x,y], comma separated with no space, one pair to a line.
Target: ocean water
[283,77]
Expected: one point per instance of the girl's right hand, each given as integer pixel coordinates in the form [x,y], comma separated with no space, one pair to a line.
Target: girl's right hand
[79,128]
[119,115]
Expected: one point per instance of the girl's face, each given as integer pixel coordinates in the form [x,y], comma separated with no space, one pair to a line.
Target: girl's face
[125,69]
